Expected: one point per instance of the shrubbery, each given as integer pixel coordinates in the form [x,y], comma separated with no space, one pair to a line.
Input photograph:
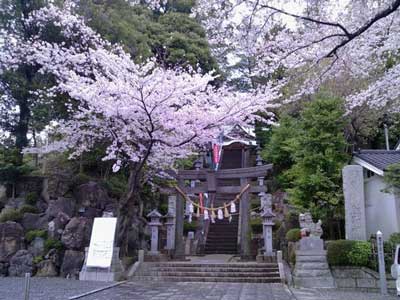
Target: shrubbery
[80,179]
[49,243]
[32,234]
[10,215]
[293,235]
[256,225]
[52,244]
[31,198]
[28,209]
[349,253]
[37,259]
[189,227]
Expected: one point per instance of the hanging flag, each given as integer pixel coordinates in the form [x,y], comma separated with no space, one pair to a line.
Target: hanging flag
[191,208]
[206,214]
[233,207]
[190,218]
[217,150]
[216,154]
[220,214]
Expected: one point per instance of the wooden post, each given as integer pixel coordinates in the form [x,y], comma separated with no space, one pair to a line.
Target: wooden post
[245,251]
[179,246]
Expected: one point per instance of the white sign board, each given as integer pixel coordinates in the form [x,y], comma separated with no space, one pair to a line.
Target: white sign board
[101,243]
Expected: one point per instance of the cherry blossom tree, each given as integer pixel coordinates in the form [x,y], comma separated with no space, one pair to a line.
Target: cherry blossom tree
[321,40]
[147,116]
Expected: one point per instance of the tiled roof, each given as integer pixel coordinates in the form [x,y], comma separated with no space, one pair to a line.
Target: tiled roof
[380,159]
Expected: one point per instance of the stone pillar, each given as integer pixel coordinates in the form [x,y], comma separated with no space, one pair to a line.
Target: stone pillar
[354,203]
[170,223]
[154,224]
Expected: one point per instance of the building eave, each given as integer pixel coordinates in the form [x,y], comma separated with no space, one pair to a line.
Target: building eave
[368,166]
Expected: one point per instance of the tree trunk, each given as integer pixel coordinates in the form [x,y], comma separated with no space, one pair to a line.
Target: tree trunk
[21,130]
[128,210]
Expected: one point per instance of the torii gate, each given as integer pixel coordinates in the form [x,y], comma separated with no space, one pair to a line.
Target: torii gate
[207,181]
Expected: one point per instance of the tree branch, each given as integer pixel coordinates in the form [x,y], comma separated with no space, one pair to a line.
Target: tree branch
[305,18]
[380,15]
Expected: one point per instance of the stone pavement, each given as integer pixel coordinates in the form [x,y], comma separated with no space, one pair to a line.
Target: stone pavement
[62,289]
[12,288]
[194,291]
[334,294]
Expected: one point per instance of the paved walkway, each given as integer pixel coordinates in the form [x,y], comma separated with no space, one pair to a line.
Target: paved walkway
[62,289]
[331,294]
[194,291]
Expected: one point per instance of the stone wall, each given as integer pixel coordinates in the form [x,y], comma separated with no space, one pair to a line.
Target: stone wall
[360,278]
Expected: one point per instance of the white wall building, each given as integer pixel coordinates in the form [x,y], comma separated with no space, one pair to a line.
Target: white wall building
[368,207]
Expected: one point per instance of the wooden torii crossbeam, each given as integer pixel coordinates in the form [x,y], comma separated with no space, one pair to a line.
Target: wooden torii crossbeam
[211,179]
[207,181]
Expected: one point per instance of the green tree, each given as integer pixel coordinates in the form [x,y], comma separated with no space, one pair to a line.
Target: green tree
[22,110]
[279,149]
[174,38]
[392,179]
[318,151]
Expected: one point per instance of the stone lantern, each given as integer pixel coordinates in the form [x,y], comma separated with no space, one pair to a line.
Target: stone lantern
[154,224]
[267,217]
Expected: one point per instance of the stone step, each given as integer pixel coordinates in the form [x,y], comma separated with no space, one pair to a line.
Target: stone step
[221,247]
[210,279]
[229,228]
[312,282]
[312,265]
[213,273]
[214,270]
[312,258]
[223,234]
[224,231]
[244,265]
[312,273]
[216,238]
[229,242]
[232,252]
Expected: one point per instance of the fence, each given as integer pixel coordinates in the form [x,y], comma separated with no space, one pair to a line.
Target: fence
[389,249]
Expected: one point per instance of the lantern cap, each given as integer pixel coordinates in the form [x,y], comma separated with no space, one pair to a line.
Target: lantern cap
[154,214]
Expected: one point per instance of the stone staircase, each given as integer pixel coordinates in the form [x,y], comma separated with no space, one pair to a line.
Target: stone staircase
[222,235]
[208,272]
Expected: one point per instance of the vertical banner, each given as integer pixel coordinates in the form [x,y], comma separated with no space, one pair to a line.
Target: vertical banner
[216,153]
[217,150]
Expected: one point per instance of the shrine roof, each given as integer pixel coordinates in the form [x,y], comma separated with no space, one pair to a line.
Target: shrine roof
[377,160]
[239,134]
